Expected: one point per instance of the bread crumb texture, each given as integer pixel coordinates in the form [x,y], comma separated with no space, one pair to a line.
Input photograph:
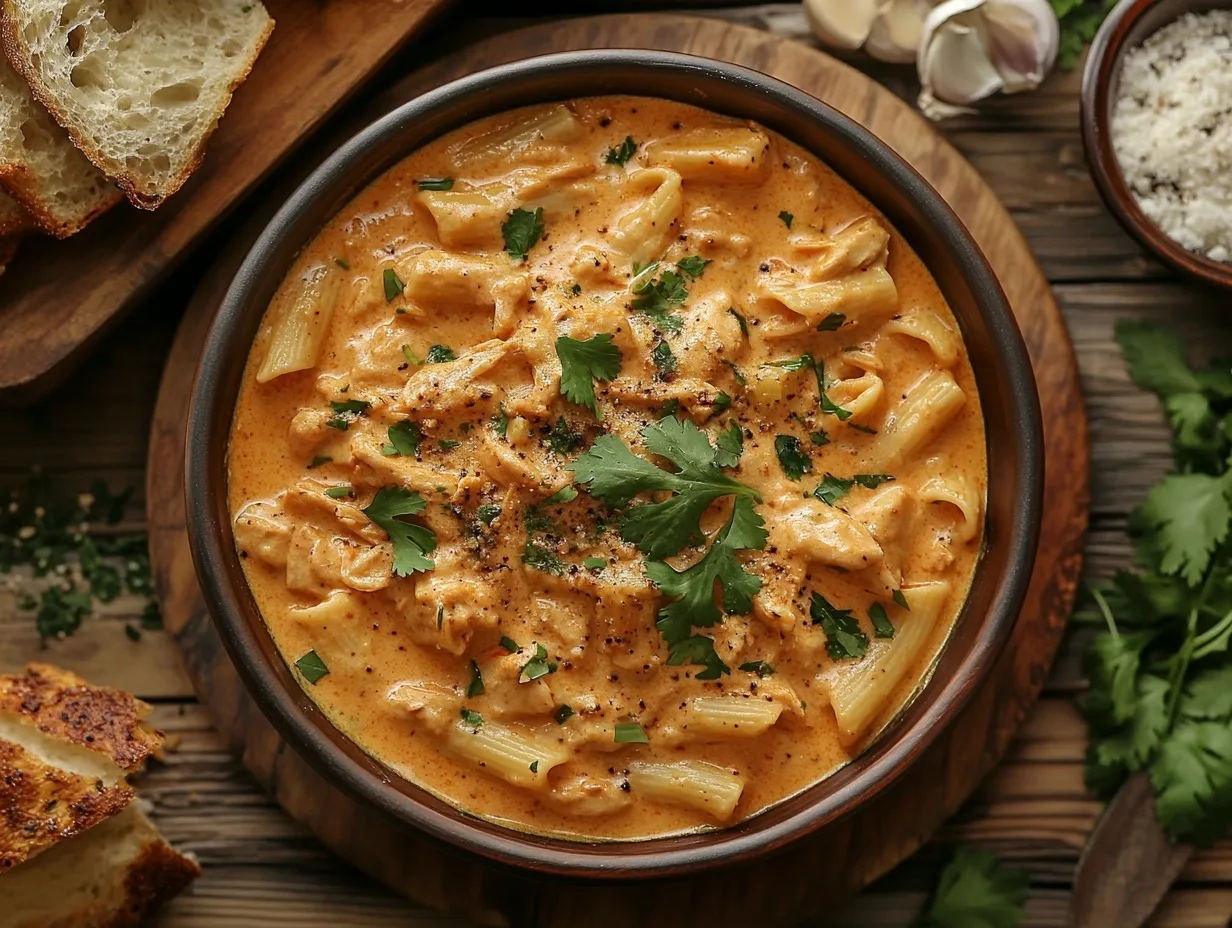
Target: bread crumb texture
[1172,131]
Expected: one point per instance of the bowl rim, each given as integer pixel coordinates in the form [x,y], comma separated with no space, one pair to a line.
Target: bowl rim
[299,721]
[1102,67]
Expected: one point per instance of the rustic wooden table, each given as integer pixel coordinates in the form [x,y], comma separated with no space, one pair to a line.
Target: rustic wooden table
[261,868]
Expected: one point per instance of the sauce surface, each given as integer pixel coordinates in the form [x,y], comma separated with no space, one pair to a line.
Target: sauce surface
[443,463]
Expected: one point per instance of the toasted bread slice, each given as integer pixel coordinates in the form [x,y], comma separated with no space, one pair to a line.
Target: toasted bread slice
[13,218]
[109,877]
[40,167]
[140,87]
[66,748]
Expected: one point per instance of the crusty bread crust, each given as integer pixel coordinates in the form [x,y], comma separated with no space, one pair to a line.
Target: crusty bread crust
[14,219]
[66,707]
[20,183]
[159,874]
[138,193]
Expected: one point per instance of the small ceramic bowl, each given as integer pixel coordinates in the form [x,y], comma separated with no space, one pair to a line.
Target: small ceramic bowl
[999,359]
[1128,26]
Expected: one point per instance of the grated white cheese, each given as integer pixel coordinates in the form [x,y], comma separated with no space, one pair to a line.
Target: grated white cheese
[1172,131]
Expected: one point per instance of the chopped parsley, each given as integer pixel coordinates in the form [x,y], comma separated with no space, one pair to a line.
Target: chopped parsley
[787,218]
[500,424]
[899,597]
[339,492]
[509,644]
[736,373]
[630,733]
[565,494]
[538,666]
[412,543]
[584,362]
[832,489]
[411,358]
[521,230]
[882,627]
[819,437]
[534,766]
[312,667]
[447,444]
[832,323]
[844,637]
[740,320]
[730,446]
[488,513]
[540,558]
[562,714]
[393,285]
[792,459]
[662,357]
[563,438]
[722,402]
[342,263]
[692,266]
[441,354]
[621,155]
[404,438]
[318,460]
[761,668]
[472,718]
[974,891]
[475,687]
[435,183]
[594,563]
[655,299]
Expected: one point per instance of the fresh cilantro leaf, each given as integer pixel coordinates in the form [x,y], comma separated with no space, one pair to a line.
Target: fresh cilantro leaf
[435,183]
[872,481]
[500,424]
[736,372]
[441,354]
[411,542]
[1155,357]
[662,358]
[339,492]
[563,438]
[472,718]
[730,446]
[699,651]
[656,299]
[562,714]
[312,667]
[901,598]
[630,733]
[594,563]
[1192,776]
[819,437]
[882,626]
[393,285]
[792,365]
[792,459]
[832,323]
[621,155]
[475,687]
[692,266]
[541,558]
[538,666]
[1079,21]
[761,668]
[521,231]
[509,644]
[488,513]
[584,362]
[404,438]
[447,444]
[787,218]
[722,402]
[60,611]
[1189,514]
[844,637]
[741,321]
[974,891]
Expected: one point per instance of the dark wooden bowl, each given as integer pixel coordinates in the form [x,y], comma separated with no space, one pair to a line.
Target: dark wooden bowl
[1003,374]
[1128,26]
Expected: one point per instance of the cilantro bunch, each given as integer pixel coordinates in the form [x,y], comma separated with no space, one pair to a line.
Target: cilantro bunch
[1079,20]
[1161,673]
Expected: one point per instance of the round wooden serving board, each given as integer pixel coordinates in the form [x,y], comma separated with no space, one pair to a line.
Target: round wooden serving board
[817,873]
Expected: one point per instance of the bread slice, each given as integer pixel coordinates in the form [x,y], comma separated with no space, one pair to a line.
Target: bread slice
[140,86]
[41,168]
[13,218]
[109,877]
[66,749]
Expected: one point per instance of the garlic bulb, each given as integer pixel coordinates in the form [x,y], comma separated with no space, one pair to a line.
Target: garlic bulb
[888,30]
[971,49]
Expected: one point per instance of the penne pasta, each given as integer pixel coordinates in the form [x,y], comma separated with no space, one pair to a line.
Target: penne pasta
[861,691]
[301,315]
[642,233]
[455,282]
[955,489]
[468,218]
[928,327]
[539,133]
[736,155]
[732,716]
[858,296]
[931,403]
[516,757]
[691,783]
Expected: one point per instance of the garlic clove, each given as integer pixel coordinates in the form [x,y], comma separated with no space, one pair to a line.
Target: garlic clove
[895,33]
[1023,38]
[841,23]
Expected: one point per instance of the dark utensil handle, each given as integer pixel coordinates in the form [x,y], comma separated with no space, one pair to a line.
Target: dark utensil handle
[1129,862]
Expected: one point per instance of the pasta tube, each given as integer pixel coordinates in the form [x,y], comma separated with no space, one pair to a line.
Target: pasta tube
[691,783]
[516,757]
[301,318]
[732,717]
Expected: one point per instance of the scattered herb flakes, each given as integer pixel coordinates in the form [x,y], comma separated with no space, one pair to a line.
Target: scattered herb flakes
[342,263]
[475,687]
[621,155]
[393,284]
[312,667]
[339,492]
[563,438]
[872,481]
[761,668]
[488,513]
[447,444]
[729,446]
[787,218]
[404,439]
[565,494]
[500,424]
[562,714]
[670,408]
[630,733]
[901,599]
[575,289]
[832,323]
[411,358]
[740,320]
[440,354]
[412,543]
[440,616]
[844,637]
[692,266]
[435,183]
[656,299]
[521,230]
[538,666]
[974,891]
[534,766]
[509,644]
[60,611]
[540,558]
[792,459]
[882,627]
[132,632]
[594,563]
[832,489]
[663,358]
[339,422]
[318,460]
[472,718]
[722,402]
[584,362]
[736,372]
[819,437]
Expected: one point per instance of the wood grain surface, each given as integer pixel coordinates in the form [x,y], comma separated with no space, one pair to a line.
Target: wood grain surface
[882,834]
[58,297]
[262,868]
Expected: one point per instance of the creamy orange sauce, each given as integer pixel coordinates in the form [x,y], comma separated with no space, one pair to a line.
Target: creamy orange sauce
[401,270]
